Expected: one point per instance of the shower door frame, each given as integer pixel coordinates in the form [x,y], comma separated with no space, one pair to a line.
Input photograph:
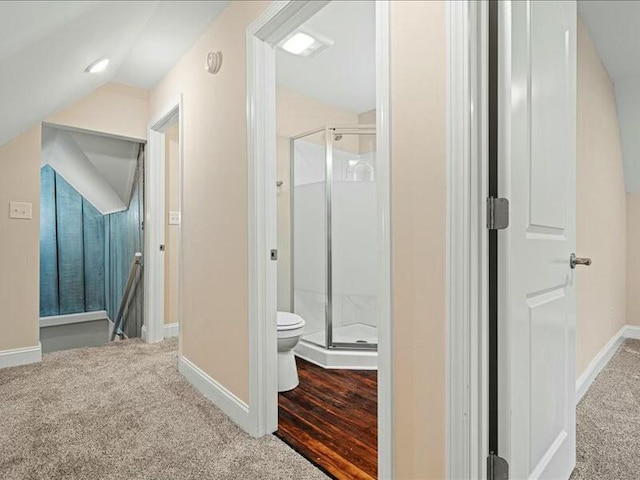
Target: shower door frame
[329,131]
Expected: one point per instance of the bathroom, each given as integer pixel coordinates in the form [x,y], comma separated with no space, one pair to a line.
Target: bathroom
[328,228]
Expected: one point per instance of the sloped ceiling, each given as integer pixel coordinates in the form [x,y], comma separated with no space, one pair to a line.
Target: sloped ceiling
[46,46]
[102,169]
[344,75]
[614,27]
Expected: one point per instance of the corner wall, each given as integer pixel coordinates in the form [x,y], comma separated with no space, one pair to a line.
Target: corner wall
[20,242]
[215,328]
[601,207]
[633,258]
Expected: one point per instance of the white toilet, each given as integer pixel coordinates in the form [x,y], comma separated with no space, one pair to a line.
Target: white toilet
[290,328]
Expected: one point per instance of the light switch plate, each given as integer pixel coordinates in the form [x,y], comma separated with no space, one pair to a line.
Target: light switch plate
[174,218]
[21,210]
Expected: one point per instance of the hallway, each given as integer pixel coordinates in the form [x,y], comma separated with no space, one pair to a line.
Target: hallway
[608,418]
[123,411]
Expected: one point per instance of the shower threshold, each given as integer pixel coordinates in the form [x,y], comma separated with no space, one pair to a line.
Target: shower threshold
[310,348]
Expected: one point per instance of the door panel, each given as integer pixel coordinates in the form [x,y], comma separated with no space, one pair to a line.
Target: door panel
[536,283]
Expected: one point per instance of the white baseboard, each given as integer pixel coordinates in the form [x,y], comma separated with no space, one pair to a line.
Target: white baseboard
[20,356]
[143,333]
[632,331]
[226,401]
[602,358]
[171,330]
[72,318]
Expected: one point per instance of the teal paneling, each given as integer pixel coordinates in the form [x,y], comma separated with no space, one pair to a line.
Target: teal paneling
[49,304]
[94,245]
[125,239]
[70,248]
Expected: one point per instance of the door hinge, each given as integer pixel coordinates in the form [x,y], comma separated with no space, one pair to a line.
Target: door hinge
[497,468]
[497,213]
[274,254]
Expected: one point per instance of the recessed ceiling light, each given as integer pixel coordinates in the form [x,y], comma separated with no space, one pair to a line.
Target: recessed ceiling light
[305,44]
[97,66]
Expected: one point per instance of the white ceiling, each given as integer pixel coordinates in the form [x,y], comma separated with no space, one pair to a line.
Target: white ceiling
[344,74]
[46,46]
[614,27]
[102,169]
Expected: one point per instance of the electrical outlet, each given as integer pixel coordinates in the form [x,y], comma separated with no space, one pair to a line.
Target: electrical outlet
[21,210]
[174,218]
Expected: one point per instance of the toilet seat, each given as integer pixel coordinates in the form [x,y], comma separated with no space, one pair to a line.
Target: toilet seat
[289,321]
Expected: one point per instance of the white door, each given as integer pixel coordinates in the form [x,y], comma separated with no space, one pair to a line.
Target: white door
[537,286]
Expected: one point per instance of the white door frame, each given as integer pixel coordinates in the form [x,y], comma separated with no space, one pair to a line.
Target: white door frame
[279,19]
[154,222]
[467,244]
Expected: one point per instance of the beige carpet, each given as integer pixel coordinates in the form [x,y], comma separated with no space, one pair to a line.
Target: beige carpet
[608,435]
[122,411]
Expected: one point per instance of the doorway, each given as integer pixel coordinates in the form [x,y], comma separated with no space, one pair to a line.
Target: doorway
[266,40]
[91,238]
[163,225]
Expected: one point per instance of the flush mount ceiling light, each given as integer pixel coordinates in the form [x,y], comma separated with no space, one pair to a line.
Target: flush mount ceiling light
[97,66]
[305,43]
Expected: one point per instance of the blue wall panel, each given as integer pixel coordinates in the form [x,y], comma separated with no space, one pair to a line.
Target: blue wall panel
[124,240]
[93,236]
[48,244]
[70,248]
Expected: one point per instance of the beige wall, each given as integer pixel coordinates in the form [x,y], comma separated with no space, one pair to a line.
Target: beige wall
[171,236]
[114,108]
[633,258]
[418,124]
[20,242]
[296,114]
[215,326]
[601,207]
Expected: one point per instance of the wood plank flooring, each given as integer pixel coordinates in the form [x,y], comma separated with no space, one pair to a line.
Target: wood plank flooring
[331,419]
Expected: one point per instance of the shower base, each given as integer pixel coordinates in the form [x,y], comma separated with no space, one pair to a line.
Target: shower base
[310,348]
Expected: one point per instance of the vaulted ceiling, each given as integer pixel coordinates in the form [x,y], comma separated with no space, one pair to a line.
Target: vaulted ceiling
[46,46]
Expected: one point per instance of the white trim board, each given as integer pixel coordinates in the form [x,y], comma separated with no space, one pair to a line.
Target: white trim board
[467,241]
[73,318]
[154,222]
[171,330]
[21,356]
[603,357]
[232,406]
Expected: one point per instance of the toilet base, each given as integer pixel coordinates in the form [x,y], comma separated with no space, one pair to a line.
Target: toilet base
[287,371]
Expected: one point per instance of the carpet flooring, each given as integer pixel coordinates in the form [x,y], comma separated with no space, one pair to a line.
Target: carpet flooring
[123,411]
[608,418]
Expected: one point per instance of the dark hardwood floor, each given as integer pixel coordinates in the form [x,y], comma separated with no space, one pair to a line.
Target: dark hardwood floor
[331,419]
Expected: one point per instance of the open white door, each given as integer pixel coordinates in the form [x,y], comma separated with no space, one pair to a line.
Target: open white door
[537,158]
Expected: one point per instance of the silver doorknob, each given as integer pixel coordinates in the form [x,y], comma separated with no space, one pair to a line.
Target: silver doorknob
[573,261]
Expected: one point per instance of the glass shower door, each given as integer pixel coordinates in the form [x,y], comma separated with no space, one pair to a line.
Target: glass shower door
[309,233]
[353,238]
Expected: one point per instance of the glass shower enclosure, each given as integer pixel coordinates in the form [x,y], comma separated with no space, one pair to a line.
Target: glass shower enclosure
[334,236]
